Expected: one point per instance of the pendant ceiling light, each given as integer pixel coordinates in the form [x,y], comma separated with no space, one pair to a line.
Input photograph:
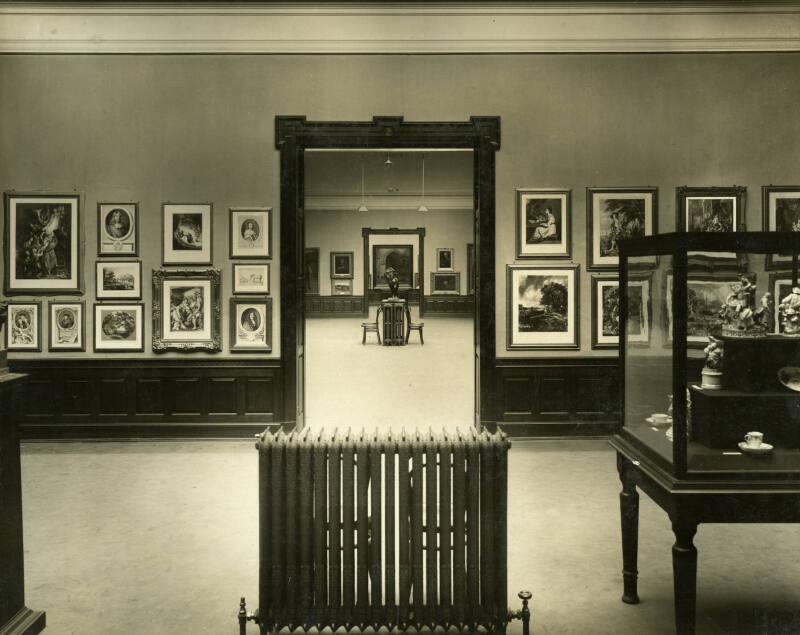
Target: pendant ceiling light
[363,207]
[388,175]
[422,207]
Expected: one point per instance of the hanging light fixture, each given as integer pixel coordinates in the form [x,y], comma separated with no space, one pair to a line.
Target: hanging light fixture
[363,207]
[422,207]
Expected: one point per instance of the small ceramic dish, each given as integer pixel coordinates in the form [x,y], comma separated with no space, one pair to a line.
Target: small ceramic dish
[657,424]
[789,376]
[764,448]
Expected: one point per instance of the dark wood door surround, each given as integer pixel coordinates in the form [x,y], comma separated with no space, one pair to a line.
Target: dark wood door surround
[293,136]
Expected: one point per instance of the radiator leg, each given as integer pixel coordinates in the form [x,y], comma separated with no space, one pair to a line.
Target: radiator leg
[526,612]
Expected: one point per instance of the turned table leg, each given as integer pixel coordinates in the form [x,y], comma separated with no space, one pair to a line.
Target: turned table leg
[684,571]
[629,516]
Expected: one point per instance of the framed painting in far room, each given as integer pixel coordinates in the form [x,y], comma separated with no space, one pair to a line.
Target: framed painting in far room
[311,271]
[706,296]
[119,327]
[251,232]
[543,223]
[614,214]
[251,279]
[542,307]
[66,327]
[341,286]
[444,258]
[341,264]
[117,229]
[780,207]
[251,325]
[42,244]
[118,279]
[445,283]
[186,310]
[399,257]
[24,327]
[186,233]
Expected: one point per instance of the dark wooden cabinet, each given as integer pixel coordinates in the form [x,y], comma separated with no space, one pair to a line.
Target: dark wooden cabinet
[15,617]
[394,322]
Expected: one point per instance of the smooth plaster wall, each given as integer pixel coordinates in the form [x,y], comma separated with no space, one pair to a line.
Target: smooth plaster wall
[341,231]
[200,128]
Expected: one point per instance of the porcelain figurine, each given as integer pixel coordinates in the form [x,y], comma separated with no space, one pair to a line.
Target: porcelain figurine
[738,313]
[789,313]
[765,314]
[712,370]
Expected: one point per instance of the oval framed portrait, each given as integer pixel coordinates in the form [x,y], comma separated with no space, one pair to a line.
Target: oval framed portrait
[117,229]
[250,230]
[250,320]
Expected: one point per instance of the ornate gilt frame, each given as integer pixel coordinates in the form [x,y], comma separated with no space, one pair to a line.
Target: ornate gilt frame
[212,345]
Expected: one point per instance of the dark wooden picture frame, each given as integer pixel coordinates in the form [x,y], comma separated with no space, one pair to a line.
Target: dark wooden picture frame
[15,324]
[771,223]
[684,193]
[50,250]
[264,324]
[125,245]
[235,278]
[535,228]
[162,340]
[445,259]
[250,244]
[52,324]
[595,236]
[445,283]
[336,258]
[571,310]
[102,294]
[138,347]
[600,340]
[170,256]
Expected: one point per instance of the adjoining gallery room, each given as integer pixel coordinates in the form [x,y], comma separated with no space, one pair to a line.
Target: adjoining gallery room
[462,317]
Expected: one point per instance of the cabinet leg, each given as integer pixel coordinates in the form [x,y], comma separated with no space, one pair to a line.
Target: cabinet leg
[684,573]
[629,516]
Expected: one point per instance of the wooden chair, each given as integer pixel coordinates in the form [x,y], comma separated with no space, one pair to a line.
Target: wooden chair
[371,327]
[413,326]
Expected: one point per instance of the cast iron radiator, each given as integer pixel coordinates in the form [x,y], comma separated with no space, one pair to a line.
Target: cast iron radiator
[365,530]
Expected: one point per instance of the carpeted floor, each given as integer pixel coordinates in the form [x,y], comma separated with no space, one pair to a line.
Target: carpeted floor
[160,538]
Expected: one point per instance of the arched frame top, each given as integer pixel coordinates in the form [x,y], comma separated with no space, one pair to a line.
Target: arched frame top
[293,136]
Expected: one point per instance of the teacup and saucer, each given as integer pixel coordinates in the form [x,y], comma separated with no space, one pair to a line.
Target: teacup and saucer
[754,444]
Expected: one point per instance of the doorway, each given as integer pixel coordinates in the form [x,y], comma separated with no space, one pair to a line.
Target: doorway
[294,137]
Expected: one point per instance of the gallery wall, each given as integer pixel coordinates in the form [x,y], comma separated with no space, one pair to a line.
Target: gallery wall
[156,128]
[341,231]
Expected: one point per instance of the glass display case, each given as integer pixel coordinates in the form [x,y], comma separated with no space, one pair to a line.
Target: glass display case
[710,351]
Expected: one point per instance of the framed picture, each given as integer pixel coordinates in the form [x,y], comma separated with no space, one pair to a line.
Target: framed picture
[400,257]
[342,286]
[605,311]
[186,310]
[186,233]
[470,268]
[780,285]
[66,326]
[710,209]
[119,327]
[341,264]
[24,326]
[780,207]
[445,283]
[311,270]
[542,307]
[251,232]
[42,244]
[444,258]
[616,213]
[251,325]
[706,295]
[118,280]
[253,279]
[117,229]
[543,223]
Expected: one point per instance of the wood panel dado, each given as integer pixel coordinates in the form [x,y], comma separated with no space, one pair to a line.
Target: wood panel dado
[334,305]
[149,398]
[449,304]
[558,397]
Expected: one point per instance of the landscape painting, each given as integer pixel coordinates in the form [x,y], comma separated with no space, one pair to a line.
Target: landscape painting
[119,280]
[542,307]
[617,214]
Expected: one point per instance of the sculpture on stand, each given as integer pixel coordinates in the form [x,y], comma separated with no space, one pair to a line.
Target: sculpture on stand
[390,275]
[712,370]
[789,313]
